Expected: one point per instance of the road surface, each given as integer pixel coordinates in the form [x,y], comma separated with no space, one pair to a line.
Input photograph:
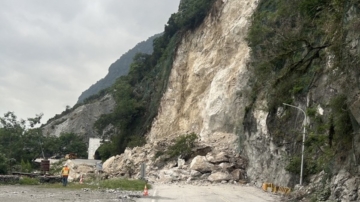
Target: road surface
[159,193]
[90,162]
[16,193]
[210,193]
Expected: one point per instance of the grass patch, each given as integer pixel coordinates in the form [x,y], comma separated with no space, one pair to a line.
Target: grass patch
[123,184]
[28,181]
[71,185]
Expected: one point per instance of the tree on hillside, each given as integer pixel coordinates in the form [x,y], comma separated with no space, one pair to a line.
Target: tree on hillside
[3,164]
[10,137]
[22,144]
[138,94]
[72,143]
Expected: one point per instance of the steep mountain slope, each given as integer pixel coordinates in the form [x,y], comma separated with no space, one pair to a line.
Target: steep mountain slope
[232,96]
[208,91]
[228,81]
[81,119]
[119,68]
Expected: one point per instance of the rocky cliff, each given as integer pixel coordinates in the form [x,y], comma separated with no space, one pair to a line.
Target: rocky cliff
[207,95]
[207,91]
[211,93]
[81,120]
[245,132]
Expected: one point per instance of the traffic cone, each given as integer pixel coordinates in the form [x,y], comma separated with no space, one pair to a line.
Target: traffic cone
[146,193]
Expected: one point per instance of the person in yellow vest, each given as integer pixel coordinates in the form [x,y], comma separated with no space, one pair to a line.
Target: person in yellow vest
[65,171]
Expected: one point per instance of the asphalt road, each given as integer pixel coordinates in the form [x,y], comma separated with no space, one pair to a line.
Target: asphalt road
[90,162]
[16,193]
[210,193]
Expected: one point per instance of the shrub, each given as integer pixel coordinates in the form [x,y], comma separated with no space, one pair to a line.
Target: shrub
[124,184]
[25,166]
[342,122]
[311,112]
[294,165]
[182,146]
[28,181]
[3,165]
[158,154]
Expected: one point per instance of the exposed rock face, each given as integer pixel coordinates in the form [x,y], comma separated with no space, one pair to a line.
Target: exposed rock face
[207,94]
[82,119]
[266,160]
[208,72]
[208,91]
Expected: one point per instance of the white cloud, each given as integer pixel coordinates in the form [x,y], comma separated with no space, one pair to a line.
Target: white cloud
[51,51]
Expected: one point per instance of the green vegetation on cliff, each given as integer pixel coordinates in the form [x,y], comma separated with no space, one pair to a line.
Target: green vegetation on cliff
[119,68]
[295,43]
[139,93]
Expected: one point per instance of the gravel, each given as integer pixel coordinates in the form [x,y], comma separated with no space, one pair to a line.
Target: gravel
[17,193]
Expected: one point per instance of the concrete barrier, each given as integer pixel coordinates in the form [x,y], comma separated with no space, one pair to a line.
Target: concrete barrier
[275,188]
[15,179]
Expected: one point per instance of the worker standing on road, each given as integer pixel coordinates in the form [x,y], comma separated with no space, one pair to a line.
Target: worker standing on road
[65,171]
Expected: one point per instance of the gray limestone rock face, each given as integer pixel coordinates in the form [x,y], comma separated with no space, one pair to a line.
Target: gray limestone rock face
[355,109]
[81,119]
[208,94]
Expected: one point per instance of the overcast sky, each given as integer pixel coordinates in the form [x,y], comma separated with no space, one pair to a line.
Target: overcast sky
[52,50]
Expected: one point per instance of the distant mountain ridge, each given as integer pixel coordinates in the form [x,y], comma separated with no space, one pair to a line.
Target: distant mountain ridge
[119,68]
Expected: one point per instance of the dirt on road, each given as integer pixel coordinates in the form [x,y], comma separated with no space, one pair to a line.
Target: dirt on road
[209,193]
[17,193]
[159,193]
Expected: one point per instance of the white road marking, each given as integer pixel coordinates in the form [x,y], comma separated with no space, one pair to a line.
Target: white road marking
[154,195]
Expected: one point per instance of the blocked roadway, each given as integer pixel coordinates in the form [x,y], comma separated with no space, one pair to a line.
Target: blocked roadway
[209,193]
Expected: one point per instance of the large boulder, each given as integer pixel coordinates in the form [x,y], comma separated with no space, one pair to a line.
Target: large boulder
[200,163]
[218,158]
[238,174]
[219,177]
[108,164]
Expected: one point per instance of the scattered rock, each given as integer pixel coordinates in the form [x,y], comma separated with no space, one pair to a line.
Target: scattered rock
[219,177]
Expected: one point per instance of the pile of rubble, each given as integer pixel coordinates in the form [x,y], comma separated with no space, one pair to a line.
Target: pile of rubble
[205,166]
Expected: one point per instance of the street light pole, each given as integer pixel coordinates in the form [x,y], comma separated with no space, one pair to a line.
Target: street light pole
[303,141]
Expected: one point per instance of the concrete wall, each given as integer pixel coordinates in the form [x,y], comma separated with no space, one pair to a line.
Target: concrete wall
[9,179]
[94,144]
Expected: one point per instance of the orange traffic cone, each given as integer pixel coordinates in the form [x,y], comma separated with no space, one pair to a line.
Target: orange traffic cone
[146,193]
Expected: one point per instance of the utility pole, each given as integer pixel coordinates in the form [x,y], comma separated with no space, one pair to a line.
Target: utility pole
[303,142]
